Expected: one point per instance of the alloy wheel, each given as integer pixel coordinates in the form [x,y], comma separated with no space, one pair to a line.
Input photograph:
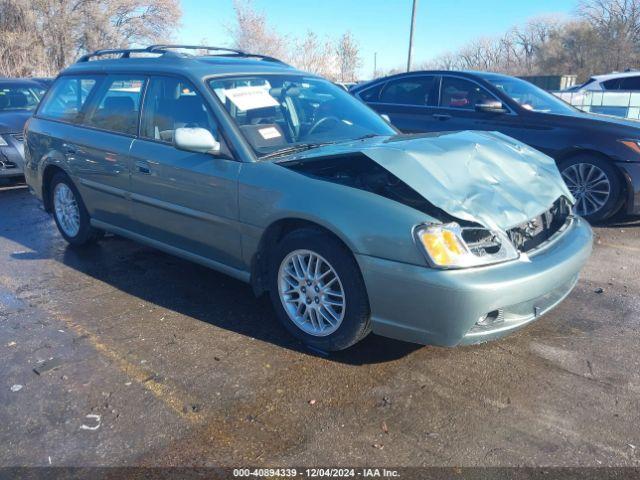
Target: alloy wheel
[589,185]
[66,209]
[311,293]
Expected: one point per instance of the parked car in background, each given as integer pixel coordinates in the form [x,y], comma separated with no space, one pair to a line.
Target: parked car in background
[611,82]
[44,81]
[284,180]
[346,85]
[18,100]
[598,156]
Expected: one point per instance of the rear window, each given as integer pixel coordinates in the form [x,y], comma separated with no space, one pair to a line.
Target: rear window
[19,97]
[67,97]
[371,94]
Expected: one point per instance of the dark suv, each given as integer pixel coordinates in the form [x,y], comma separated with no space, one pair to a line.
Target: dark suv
[599,156]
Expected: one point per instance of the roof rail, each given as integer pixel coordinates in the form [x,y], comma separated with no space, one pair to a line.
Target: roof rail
[165,49]
[123,52]
[232,51]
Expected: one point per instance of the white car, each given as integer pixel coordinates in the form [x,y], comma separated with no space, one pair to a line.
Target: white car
[622,81]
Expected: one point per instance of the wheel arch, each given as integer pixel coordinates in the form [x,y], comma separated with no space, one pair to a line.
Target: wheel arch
[577,151]
[626,195]
[47,174]
[273,234]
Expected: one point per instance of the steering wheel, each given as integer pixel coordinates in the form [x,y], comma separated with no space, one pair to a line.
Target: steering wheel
[321,122]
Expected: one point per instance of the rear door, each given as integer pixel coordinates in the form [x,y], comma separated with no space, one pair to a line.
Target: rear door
[91,123]
[183,199]
[408,102]
[102,150]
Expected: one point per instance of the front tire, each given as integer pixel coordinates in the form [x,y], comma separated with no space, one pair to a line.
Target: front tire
[595,184]
[70,213]
[317,290]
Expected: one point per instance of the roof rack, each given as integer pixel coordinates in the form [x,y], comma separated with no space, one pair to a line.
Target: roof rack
[123,52]
[167,50]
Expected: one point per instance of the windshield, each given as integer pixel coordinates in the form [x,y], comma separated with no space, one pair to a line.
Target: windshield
[281,112]
[529,96]
[14,97]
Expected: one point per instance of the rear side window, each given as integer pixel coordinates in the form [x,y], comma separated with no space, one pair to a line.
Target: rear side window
[117,105]
[67,98]
[613,84]
[630,83]
[371,94]
[413,90]
[461,93]
[172,103]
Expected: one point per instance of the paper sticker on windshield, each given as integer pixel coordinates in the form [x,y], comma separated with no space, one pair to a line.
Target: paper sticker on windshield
[269,133]
[250,98]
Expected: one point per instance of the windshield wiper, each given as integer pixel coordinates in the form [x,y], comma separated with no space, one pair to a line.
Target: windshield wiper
[294,149]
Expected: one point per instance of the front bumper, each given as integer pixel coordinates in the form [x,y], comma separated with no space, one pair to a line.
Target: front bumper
[441,307]
[11,157]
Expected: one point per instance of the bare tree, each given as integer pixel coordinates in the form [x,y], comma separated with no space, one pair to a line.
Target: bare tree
[604,36]
[314,55]
[252,33]
[348,56]
[618,24]
[44,36]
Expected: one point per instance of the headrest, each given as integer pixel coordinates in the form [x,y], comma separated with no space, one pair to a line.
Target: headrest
[18,99]
[119,104]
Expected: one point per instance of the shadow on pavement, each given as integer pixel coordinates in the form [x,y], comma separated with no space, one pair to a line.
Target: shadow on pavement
[170,282]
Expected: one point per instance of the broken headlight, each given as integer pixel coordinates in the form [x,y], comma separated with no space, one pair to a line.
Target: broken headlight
[453,246]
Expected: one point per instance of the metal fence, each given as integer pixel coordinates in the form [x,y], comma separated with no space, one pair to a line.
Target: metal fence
[619,104]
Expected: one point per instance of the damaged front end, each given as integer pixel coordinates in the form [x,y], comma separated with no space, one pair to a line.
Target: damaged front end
[490,199]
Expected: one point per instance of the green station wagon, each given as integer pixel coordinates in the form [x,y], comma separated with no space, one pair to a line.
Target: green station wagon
[282,179]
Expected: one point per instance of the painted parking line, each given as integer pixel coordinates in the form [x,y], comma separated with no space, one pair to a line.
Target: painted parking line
[174,398]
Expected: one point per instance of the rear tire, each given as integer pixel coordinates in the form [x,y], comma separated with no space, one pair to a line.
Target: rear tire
[69,212]
[325,320]
[595,184]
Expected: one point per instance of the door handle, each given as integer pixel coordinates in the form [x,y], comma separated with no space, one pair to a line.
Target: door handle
[441,116]
[143,167]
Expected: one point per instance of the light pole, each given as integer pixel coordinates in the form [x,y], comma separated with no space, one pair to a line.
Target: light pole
[413,24]
[375,64]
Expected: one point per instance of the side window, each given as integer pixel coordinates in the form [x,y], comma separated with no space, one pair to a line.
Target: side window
[371,94]
[409,91]
[461,93]
[172,103]
[67,97]
[630,83]
[117,106]
[613,84]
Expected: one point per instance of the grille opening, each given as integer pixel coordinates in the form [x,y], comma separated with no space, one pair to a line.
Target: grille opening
[533,233]
[480,241]
[6,164]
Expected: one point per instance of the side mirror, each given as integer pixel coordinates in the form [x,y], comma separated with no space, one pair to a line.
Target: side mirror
[386,118]
[490,106]
[198,140]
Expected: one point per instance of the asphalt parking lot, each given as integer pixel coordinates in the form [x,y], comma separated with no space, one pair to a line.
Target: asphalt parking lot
[122,355]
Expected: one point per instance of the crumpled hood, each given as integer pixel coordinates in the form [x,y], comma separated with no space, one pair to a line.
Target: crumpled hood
[483,177]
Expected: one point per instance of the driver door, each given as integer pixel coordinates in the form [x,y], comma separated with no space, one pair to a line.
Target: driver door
[457,108]
[183,199]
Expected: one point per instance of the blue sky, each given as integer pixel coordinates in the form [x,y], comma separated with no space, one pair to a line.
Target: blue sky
[380,26]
